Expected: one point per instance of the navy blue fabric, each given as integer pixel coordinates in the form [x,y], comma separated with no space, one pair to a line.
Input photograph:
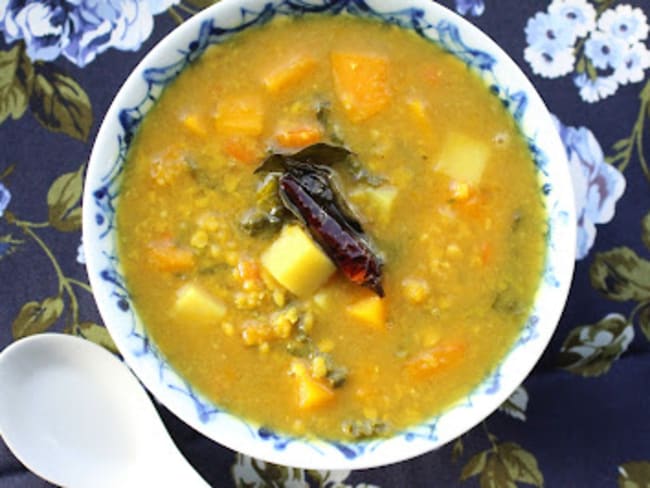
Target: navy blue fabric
[578,429]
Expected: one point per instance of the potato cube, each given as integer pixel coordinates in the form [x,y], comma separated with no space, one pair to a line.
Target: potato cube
[463,158]
[240,115]
[195,305]
[371,311]
[296,262]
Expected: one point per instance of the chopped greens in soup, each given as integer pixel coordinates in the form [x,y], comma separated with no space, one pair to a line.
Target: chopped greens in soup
[331,227]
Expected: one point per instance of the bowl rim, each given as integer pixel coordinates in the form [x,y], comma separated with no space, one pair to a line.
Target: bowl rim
[105,166]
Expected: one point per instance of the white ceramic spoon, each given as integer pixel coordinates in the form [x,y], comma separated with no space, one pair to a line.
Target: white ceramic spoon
[75,415]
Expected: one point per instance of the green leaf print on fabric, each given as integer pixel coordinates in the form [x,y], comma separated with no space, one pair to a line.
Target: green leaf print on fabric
[59,103]
[35,317]
[97,334]
[64,211]
[645,230]
[16,77]
[621,275]
[643,319]
[590,350]
[634,474]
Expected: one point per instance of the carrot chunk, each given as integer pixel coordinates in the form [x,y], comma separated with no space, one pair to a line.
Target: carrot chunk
[166,256]
[437,358]
[361,83]
[244,149]
[299,137]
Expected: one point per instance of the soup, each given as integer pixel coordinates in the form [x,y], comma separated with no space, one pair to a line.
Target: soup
[331,227]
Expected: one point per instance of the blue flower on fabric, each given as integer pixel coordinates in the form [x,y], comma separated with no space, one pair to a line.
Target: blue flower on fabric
[5,198]
[44,26]
[625,23]
[631,69]
[580,14]
[552,31]
[471,7]
[597,185]
[604,50]
[78,29]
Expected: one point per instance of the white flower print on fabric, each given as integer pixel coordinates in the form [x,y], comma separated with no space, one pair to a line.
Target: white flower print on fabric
[597,185]
[624,22]
[549,63]
[604,51]
[580,14]
[636,60]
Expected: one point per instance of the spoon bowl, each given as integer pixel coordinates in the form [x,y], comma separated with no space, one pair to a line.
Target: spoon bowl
[75,415]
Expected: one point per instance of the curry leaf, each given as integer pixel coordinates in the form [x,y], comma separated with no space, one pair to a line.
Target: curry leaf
[59,103]
[634,475]
[645,230]
[99,335]
[35,317]
[621,275]
[63,199]
[644,320]
[16,77]
[495,474]
[520,464]
[474,466]
[516,404]
[590,350]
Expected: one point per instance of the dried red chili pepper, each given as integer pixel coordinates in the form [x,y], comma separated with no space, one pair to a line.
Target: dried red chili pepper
[309,192]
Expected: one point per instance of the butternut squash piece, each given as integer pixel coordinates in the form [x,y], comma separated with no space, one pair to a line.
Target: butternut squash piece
[289,74]
[312,393]
[370,311]
[296,262]
[244,149]
[243,114]
[296,138]
[361,83]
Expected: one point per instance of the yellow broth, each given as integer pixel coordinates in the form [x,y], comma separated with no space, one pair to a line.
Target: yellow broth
[463,254]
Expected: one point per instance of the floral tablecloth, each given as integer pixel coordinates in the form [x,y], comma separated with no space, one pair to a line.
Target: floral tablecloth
[582,419]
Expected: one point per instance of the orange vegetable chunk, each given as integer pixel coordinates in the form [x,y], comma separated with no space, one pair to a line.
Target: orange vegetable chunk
[289,73]
[244,149]
[240,114]
[361,83]
[299,137]
[370,311]
[166,256]
[437,358]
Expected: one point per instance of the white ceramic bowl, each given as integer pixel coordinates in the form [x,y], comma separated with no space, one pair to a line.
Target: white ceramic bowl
[102,192]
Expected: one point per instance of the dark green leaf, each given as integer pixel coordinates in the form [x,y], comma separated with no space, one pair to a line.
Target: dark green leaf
[59,103]
[495,474]
[63,199]
[457,450]
[474,466]
[99,335]
[634,475]
[35,317]
[644,320]
[516,404]
[590,350]
[521,464]
[16,77]
[645,230]
[621,275]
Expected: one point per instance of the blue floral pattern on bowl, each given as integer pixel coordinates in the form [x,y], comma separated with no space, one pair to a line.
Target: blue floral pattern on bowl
[115,302]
